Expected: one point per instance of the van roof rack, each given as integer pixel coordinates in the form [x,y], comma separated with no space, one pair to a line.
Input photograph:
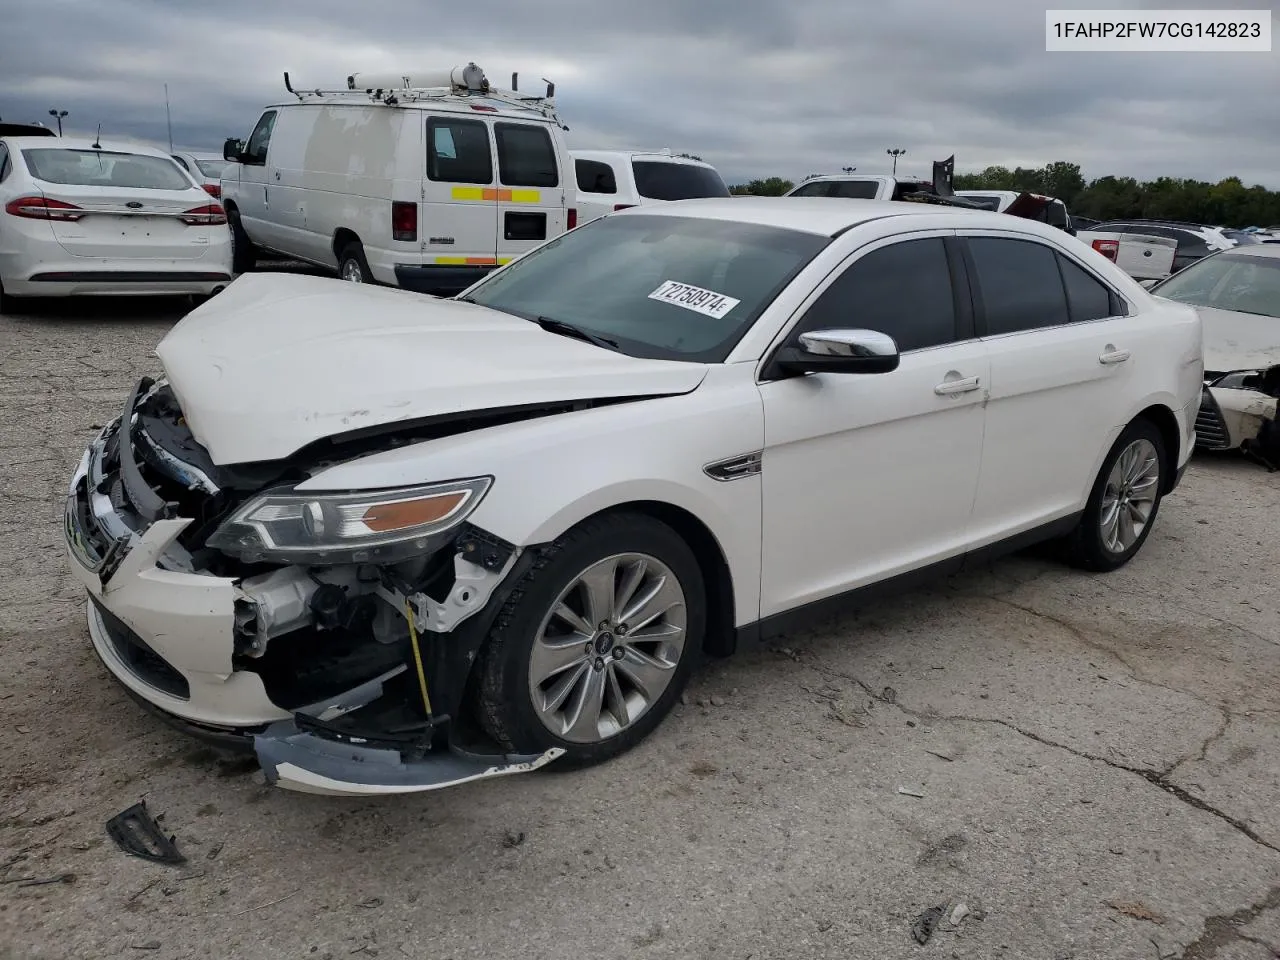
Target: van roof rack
[460,82]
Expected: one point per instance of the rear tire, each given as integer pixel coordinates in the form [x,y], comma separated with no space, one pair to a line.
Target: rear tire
[538,687]
[244,257]
[352,265]
[1124,502]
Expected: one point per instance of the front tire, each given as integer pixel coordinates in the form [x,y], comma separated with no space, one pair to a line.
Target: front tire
[629,588]
[1124,502]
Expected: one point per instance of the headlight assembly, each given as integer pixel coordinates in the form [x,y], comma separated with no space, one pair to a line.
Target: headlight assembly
[378,526]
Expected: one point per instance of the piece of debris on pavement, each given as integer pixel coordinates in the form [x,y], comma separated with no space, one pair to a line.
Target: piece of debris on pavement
[137,833]
[923,926]
[1139,911]
[511,840]
[908,792]
[959,914]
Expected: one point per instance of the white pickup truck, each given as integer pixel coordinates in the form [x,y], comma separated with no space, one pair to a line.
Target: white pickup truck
[1145,258]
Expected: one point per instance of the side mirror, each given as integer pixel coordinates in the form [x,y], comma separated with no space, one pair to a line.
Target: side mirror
[232,149]
[840,351]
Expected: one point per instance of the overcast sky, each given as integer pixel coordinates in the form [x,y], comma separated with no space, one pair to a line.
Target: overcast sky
[757,87]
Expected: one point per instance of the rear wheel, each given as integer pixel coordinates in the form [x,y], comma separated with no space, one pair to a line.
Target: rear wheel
[352,265]
[594,646]
[243,255]
[1123,504]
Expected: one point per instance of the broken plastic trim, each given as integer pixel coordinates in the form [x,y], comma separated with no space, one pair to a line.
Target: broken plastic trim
[136,832]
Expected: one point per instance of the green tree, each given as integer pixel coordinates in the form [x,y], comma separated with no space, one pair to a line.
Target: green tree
[769,187]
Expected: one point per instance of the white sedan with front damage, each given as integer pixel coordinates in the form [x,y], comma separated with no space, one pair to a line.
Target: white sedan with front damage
[1237,294]
[82,217]
[397,543]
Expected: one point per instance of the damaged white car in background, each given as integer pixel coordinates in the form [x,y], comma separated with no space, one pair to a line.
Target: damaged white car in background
[1237,294]
[394,543]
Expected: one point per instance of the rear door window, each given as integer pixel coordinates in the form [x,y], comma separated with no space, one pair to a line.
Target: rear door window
[903,290]
[458,151]
[1019,284]
[816,188]
[1087,297]
[526,155]
[595,177]
[658,180]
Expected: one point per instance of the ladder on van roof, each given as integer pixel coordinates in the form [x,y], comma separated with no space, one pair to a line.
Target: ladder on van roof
[473,83]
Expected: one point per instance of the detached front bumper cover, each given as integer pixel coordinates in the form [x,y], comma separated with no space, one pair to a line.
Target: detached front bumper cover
[294,758]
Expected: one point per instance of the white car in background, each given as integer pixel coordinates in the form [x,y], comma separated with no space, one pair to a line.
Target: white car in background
[397,543]
[1237,294]
[612,180]
[206,170]
[80,217]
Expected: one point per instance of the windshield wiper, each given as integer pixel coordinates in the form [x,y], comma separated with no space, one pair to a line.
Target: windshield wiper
[569,330]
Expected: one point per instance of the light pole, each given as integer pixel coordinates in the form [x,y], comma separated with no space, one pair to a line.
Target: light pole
[848,169]
[58,115]
[895,152]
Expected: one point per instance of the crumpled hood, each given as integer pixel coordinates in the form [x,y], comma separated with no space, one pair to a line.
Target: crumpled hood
[1238,341]
[277,361]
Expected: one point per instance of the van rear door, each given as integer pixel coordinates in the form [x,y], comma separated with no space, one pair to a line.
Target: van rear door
[531,188]
[460,196]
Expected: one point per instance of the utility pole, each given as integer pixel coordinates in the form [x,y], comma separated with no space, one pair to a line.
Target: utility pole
[895,152]
[58,115]
[167,121]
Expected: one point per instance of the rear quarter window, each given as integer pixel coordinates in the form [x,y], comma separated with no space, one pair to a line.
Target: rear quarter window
[595,177]
[526,155]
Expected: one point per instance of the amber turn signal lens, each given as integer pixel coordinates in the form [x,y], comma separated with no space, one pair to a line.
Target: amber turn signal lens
[402,514]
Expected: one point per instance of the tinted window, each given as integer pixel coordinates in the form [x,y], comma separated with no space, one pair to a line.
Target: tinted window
[815,188]
[105,168]
[658,180]
[1019,283]
[182,163]
[526,156]
[1087,297]
[255,152]
[595,177]
[903,290]
[671,287]
[458,151]
[4,161]
[854,189]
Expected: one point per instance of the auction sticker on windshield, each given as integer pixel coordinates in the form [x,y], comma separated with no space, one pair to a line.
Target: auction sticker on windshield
[707,302]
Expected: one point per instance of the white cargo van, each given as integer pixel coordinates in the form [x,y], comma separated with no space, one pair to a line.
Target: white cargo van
[610,180]
[423,181]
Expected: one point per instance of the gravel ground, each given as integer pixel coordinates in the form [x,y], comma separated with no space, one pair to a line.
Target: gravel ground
[1091,764]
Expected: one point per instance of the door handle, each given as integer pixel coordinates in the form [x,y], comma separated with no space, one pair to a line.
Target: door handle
[1114,356]
[949,387]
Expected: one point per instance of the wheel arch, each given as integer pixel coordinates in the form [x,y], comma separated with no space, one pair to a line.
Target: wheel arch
[341,237]
[1166,422]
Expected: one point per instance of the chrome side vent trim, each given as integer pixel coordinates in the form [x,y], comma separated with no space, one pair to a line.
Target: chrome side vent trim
[735,468]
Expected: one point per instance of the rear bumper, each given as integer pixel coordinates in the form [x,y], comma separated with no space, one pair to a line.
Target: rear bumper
[440,281]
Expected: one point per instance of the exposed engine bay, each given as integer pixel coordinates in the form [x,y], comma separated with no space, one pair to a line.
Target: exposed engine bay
[1239,411]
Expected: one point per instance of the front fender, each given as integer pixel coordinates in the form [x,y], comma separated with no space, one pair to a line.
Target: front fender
[553,472]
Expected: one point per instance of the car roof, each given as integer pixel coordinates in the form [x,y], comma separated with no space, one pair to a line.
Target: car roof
[452,103]
[831,216]
[636,155]
[72,143]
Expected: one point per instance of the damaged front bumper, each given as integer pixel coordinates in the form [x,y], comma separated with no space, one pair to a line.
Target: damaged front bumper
[167,630]
[1232,413]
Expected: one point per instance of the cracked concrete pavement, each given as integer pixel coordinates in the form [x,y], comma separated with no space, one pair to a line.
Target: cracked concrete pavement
[1090,764]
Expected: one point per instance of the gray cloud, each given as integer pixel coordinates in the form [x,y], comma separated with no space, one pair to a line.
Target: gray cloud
[758,87]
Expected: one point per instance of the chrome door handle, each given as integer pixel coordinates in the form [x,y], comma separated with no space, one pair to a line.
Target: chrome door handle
[1114,356]
[949,387]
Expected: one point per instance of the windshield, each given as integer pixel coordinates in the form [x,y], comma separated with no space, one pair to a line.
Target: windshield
[211,168]
[1227,281]
[104,168]
[657,180]
[676,288]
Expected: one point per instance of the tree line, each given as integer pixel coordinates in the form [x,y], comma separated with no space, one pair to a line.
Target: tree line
[1228,202]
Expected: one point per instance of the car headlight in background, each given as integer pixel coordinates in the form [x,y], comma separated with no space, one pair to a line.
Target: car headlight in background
[378,526]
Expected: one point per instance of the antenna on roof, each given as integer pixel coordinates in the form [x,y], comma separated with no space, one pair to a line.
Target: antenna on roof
[515,82]
[97,141]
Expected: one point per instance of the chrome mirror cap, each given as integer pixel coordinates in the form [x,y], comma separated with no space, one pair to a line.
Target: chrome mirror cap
[848,343]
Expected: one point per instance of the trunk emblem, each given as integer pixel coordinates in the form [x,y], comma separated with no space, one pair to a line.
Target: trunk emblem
[134,204]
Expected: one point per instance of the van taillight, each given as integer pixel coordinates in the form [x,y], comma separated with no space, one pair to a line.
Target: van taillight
[573,218]
[622,206]
[404,221]
[1108,248]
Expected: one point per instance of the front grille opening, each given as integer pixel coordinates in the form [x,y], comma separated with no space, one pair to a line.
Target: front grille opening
[143,662]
